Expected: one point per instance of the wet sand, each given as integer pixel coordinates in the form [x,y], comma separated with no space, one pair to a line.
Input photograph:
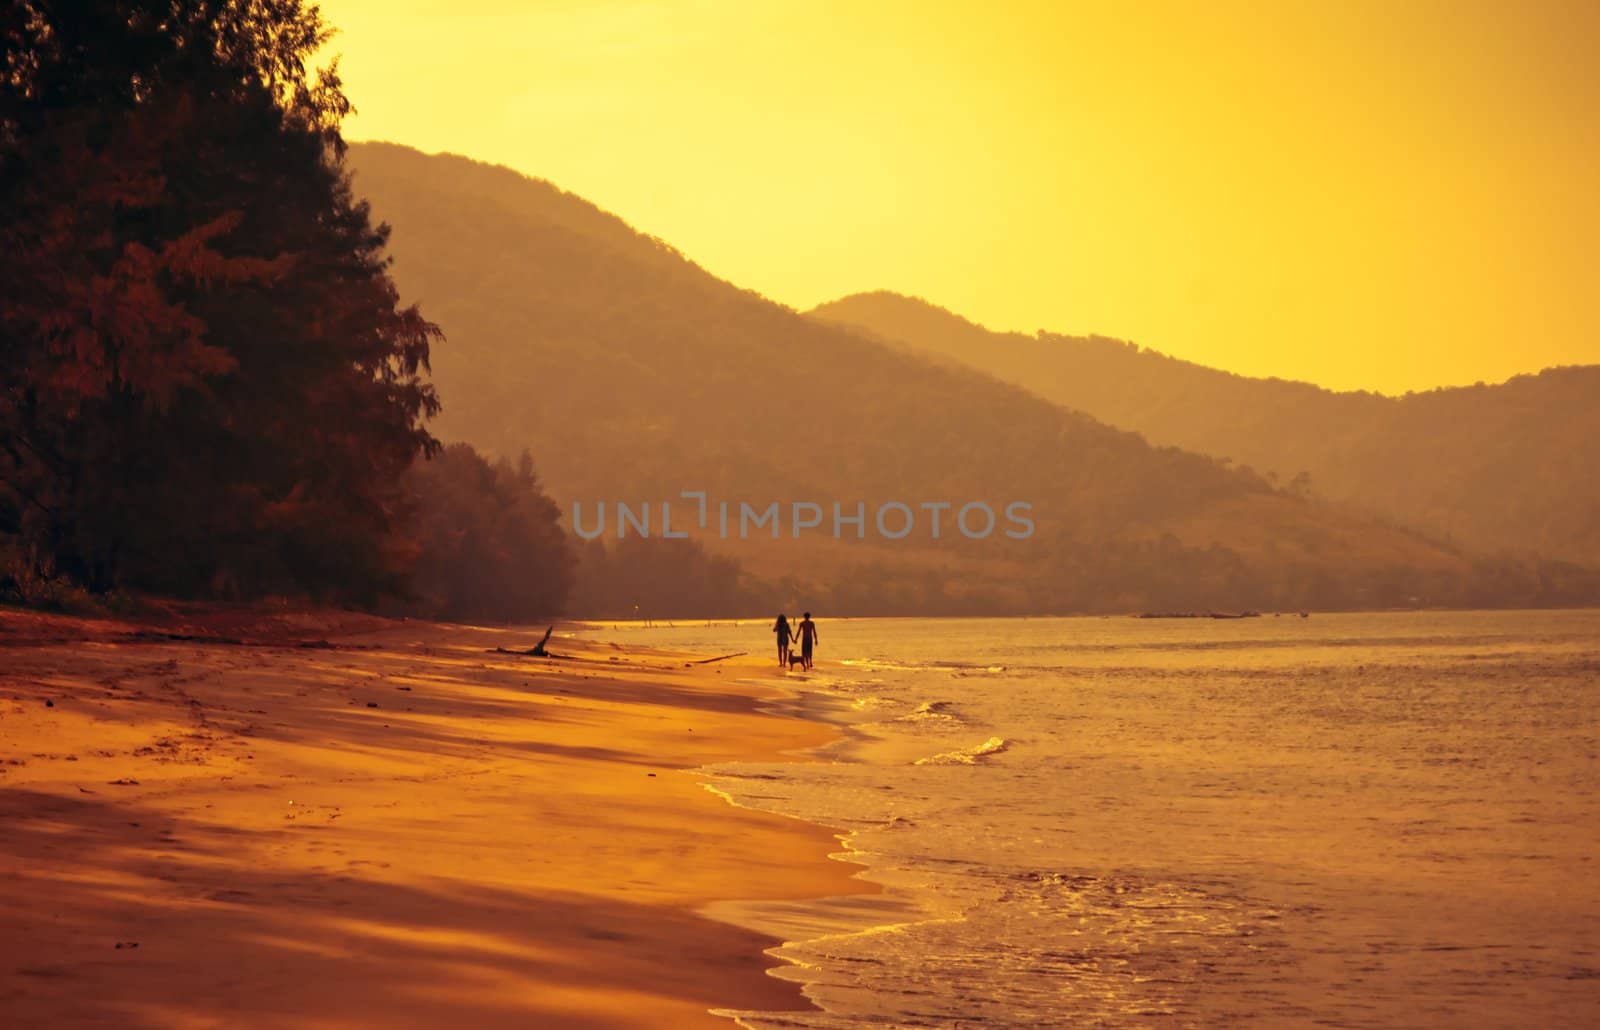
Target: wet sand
[346,822]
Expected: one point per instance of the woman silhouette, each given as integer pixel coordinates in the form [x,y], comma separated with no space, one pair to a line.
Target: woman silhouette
[781,627]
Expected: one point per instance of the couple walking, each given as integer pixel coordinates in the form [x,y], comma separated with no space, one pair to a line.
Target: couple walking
[806,631]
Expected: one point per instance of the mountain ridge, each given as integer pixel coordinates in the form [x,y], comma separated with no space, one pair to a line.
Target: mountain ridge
[634,374]
[824,310]
[1505,466]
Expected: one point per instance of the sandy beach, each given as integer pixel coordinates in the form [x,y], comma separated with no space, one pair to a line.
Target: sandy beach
[313,821]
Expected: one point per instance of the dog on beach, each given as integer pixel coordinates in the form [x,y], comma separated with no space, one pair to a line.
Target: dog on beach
[796,659]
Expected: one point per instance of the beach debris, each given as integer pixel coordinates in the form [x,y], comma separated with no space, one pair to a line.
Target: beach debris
[372,704]
[719,658]
[126,944]
[49,703]
[537,650]
[190,638]
[124,783]
[1199,615]
[530,653]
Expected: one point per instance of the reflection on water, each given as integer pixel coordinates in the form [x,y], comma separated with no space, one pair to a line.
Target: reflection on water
[1358,820]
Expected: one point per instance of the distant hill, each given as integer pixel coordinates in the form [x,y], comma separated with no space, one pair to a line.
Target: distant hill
[1514,466]
[633,374]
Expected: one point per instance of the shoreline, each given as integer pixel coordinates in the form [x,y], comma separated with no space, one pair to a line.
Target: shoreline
[366,822]
[1359,826]
[889,903]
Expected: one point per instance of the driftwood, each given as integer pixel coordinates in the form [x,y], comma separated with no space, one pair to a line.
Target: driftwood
[537,650]
[1199,615]
[718,658]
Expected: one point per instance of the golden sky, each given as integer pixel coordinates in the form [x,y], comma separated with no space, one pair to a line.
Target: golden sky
[1389,195]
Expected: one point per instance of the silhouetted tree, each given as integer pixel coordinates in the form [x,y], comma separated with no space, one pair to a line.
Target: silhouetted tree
[207,381]
[490,540]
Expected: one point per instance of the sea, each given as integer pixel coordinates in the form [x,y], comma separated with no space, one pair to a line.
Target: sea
[1351,820]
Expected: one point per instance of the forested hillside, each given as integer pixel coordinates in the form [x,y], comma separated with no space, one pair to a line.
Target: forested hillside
[1505,467]
[636,375]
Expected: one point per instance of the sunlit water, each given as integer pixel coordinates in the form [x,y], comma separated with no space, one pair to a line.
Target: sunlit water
[1348,820]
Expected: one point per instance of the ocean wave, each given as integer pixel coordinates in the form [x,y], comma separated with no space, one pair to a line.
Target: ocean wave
[953,670]
[967,755]
[875,665]
[933,711]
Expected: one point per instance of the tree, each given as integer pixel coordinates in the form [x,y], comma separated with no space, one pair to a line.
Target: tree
[208,384]
[490,540]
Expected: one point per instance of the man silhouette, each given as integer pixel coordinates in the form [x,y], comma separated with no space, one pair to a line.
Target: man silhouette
[808,637]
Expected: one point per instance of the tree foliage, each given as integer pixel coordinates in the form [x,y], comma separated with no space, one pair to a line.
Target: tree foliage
[208,383]
[656,578]
[491,546]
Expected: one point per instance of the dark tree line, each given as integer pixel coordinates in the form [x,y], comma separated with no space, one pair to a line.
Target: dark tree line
[490,542]
[655,578]
[209,385]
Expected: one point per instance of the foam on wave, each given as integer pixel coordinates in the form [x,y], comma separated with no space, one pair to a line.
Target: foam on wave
[967,755]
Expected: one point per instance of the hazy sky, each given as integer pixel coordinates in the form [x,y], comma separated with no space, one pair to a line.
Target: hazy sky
[1389,195]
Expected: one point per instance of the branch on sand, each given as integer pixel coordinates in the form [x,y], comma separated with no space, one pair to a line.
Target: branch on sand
[537,650]
[718,658]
